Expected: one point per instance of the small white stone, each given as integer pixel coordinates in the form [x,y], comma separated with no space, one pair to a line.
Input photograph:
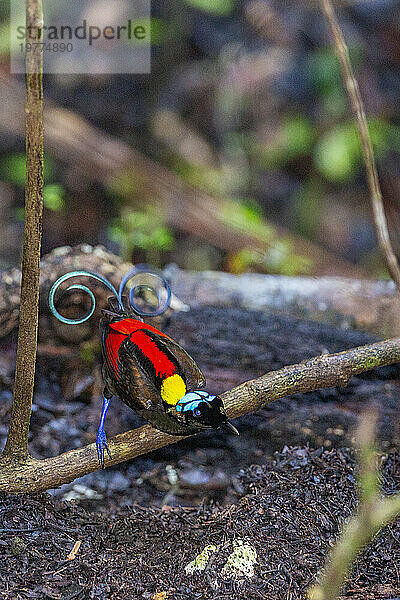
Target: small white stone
[62,250]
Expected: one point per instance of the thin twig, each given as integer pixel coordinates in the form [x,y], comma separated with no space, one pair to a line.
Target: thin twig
[17,440]
[372,515]
[357,105]
[322,371]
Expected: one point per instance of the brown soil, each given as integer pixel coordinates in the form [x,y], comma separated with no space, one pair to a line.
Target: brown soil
[209,489]
[290,513]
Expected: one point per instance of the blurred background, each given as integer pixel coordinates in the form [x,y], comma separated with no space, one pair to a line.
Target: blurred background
[237,153]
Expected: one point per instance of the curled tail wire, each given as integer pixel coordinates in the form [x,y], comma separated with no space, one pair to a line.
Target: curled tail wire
[162,293]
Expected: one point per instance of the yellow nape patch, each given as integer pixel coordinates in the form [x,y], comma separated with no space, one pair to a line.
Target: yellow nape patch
[173,389]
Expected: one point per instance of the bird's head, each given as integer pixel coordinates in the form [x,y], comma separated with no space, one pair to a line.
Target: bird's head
[204,409]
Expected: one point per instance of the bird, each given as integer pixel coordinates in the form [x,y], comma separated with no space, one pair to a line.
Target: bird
[152,374]
[148,370]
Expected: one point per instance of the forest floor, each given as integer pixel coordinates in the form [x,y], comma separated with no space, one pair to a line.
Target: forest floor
[141,523]
[284,524]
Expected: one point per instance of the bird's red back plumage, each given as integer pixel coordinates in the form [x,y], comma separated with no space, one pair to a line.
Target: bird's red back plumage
[137,332]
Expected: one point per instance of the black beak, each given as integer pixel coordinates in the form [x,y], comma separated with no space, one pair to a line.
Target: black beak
[229,428]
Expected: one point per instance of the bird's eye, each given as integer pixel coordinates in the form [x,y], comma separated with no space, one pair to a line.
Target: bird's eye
[197,412]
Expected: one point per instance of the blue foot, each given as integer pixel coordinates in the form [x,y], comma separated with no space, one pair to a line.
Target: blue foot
[101,441]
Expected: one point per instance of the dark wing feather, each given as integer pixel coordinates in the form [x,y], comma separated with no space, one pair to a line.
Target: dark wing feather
[184,364]
[187,367]
[138,382]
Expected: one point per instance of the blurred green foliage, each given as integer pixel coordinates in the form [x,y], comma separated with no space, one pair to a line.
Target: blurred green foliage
[293,139]
[325,75]
[53,197]
[278,142]
[245,217]
[219,180]
[280,255]
[141,230]
[160,31]
[124,184]
[13,168]
[279,259]
[338,153]
[324,70]
[214,7]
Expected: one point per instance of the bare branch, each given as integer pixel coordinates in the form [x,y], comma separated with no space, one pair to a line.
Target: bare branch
[17,440]
[322,371]
[357,105]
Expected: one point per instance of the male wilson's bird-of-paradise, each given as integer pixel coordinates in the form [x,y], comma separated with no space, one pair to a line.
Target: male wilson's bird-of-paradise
[144,367]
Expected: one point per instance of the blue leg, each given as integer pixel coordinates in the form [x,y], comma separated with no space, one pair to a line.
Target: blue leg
[101,442]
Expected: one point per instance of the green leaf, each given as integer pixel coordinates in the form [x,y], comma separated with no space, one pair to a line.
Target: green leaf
[13,166]
[159,31]
[217,181]
[214,7]
[338,154]
[297,135]
[293,138]
[19,214]
[53,197]
[335,102]
[136,229]
[324,70]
